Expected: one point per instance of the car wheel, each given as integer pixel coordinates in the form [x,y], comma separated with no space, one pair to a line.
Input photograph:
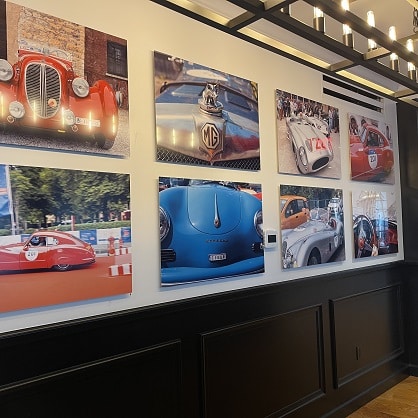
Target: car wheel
[103,142]
[62,267]
[314,257]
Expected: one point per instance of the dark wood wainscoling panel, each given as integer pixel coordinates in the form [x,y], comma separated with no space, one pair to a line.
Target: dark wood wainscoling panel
[367,331]
[273,365]
[273,350]
[147,381]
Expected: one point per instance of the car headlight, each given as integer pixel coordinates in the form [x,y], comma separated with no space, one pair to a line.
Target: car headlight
[164,224]
[303,156]
[258,223]
[80,87]
[6,70]
[16,109]
[68,117]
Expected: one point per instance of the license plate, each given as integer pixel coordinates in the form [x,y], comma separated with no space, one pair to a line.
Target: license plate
[87,122]
[217,257]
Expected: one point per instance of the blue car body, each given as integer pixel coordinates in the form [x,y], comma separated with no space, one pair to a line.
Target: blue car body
[211,231]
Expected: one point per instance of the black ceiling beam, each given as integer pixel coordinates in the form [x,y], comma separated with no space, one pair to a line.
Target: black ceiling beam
[295,26]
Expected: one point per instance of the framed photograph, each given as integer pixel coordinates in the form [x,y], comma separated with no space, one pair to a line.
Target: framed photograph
[371,150]
[308,136]
[62,86]
[312,225]
[65,236]
[375,226]
[209,230]
[205,116]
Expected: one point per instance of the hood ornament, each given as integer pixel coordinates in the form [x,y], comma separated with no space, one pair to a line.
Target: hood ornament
[216,219]
[209,103]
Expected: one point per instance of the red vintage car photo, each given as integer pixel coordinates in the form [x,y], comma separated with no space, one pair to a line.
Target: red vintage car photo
[41,91]
[371,154]
[45,250]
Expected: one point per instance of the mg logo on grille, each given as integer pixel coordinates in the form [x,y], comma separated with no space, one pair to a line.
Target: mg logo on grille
[210,136]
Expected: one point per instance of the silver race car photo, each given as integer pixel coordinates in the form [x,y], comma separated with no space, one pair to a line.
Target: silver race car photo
[313,242]
[311,147]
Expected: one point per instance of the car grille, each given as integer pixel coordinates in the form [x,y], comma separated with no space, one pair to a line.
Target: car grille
[168,255]
[43,89]
[176,157]
[322,162]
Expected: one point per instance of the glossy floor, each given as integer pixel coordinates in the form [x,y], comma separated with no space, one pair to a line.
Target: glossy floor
[401,401]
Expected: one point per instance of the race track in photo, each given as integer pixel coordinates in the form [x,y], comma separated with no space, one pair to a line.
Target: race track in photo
[36,288]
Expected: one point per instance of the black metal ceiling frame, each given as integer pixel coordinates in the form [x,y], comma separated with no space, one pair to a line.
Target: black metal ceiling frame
[270,11]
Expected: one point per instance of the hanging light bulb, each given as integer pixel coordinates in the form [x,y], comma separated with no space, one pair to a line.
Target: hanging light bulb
[394,60]
[319,20]
[412,72]
[347,32]
[370,20]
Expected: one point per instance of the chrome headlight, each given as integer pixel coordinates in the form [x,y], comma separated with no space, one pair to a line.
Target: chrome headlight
[80,87]
[68,117]
[17,110]
[164,224]
[303,156]
[6,70]
[258,223]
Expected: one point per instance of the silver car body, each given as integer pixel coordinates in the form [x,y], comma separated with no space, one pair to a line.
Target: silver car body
[184,128]
[313,242]
[318,123]
[312,149]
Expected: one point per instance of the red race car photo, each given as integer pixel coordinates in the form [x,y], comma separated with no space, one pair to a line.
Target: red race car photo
[371,154]
[41,91]
[45,250]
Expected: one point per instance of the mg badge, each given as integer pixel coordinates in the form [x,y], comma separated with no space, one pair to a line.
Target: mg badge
[211,140]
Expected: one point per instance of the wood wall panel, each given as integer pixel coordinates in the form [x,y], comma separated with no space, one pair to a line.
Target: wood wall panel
[143,383]
[366,330]
[254,352]
[270,364]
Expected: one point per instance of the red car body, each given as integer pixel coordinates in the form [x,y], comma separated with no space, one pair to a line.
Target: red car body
[371,154]
[45,250]
[41,91]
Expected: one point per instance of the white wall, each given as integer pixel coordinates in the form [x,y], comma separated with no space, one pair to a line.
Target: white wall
[149,27]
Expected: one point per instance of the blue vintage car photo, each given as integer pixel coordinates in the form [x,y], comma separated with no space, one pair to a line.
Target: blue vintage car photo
[209,230]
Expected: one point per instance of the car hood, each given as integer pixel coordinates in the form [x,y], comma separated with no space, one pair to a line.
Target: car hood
[304,130]
[303,231]
[220,205]
[12,248]
[181,128]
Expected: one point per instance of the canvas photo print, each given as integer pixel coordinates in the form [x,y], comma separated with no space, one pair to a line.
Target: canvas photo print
[209,230]
[312,226]
[205,116]
[308,136]
[371,150]
[65,236]
[375,226]
[62,86]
